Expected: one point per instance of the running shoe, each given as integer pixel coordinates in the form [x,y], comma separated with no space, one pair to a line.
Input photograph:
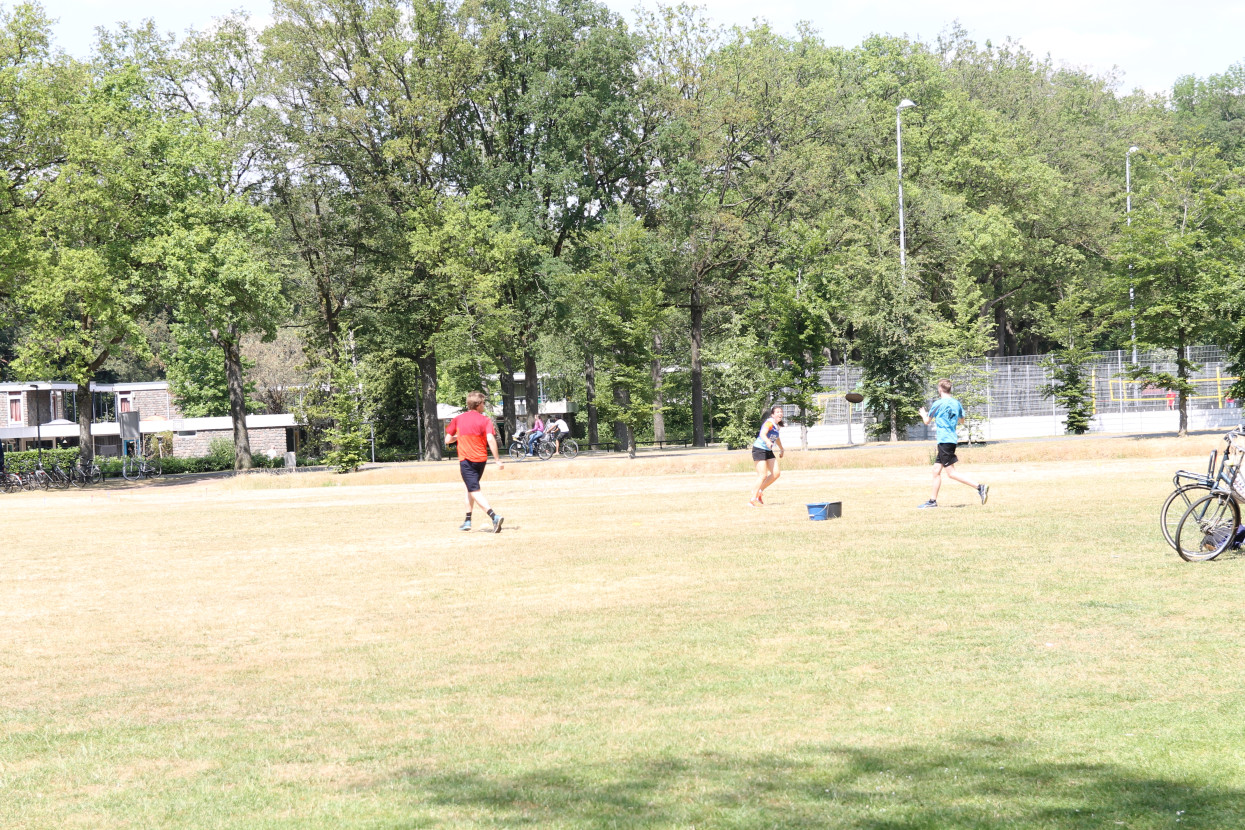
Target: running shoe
[983,490]
[930,503]
[465,525]
[497,520]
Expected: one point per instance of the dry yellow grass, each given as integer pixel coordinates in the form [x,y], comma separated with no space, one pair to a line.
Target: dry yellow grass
[637,649]
[708,462]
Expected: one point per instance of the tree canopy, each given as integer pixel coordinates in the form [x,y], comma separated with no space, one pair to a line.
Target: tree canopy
[672,224]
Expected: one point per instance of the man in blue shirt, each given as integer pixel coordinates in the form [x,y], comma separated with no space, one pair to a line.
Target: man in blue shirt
[947,414]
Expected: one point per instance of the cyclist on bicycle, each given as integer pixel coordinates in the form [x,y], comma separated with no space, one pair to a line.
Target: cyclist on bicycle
[556,430]
[535,434]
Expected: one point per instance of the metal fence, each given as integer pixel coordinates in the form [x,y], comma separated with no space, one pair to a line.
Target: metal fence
[1010,387]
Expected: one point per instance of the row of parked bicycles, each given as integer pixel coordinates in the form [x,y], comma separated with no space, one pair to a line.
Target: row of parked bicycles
[1202,516]
[56,477]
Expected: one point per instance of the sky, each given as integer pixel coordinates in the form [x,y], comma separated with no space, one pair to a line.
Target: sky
[1145,44]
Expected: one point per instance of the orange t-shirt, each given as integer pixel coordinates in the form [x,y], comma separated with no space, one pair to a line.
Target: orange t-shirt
[472,429]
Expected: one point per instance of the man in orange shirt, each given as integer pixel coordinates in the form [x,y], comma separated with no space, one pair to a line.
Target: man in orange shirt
[476,435]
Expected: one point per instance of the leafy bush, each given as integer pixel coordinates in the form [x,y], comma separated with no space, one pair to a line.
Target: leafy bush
[219,459]
[220,454]
[24,462]
[735,436]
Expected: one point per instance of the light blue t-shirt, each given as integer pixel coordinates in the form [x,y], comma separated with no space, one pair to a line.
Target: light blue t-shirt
[946,414]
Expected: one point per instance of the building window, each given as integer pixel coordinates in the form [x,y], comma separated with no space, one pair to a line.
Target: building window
[15,409]
[187,434]
[123,403]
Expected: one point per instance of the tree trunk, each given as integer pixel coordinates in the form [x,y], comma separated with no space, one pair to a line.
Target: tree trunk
[698,405]
[894,424]
[531,383]
[659,416]
[622,397]
[242,459]
[86,414]
[433,449]
[508,414]
[803,428]
[1000,323]
[590,393]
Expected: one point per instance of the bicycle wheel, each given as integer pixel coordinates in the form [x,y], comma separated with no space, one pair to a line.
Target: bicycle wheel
[130,470]
[10,482]
[569,448]
[42,480]
[97,475]
[515,450]
[1207,528]
[545,450]
[77,477]
[1176,505]
[60,478]
[155,469]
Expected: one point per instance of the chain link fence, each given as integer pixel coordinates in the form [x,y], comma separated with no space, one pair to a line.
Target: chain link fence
[1006,395]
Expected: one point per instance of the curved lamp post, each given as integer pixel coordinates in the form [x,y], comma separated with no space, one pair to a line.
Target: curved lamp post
[1128,221]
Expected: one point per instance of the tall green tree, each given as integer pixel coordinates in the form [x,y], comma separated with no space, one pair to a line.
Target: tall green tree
[551,128]
[624,285]
[122,168]
[1180,254]
[369,90]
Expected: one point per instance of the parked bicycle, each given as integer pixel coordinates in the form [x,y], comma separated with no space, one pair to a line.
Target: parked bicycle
[36,479]
[81,474]
[10,481]
[58,476]
[1212,523]
[136,467]
[1189,487]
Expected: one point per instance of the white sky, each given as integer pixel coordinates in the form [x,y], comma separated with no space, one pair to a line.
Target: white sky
[1151,43]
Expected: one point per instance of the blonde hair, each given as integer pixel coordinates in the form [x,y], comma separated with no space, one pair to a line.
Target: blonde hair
[475,400]
[944,385]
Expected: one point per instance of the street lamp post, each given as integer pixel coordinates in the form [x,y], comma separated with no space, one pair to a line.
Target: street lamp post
[1128,222]
[38,426]
[903,261]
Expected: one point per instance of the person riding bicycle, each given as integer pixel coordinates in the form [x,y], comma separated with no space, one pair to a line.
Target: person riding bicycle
[557,430]
[536,433]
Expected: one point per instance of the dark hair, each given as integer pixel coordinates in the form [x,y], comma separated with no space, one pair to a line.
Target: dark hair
[776,407]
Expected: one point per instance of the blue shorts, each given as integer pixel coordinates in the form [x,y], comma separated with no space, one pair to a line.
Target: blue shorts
[472,472]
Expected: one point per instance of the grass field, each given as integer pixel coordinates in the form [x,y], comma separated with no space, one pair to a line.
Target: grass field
[638,649]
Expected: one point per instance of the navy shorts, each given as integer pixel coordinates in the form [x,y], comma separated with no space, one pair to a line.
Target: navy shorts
[471,471]
[946,455]
[759,454]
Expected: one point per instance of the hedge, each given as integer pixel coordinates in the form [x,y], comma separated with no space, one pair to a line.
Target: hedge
[22,462]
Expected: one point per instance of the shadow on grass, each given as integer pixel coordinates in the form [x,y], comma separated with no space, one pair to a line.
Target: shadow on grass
[988,786]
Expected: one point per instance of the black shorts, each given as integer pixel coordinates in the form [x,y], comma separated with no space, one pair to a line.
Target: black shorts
[759,454]
[946,455]
[471,472]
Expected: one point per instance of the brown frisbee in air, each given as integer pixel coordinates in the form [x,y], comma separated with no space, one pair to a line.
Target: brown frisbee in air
[854,397]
